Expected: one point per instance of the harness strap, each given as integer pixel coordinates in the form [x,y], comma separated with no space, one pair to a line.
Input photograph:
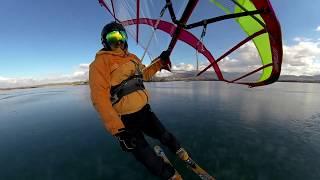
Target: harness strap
[132,84]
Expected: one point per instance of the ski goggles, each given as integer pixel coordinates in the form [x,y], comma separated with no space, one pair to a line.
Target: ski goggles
[116,36]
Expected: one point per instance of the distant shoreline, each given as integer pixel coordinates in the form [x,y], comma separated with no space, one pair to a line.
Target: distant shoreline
[160,80]
[46,85]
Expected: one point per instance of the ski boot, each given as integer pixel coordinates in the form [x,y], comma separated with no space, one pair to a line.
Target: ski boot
[176,176]
[182,154]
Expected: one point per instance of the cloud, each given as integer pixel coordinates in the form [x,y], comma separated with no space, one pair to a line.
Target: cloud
[301,58]
[163,73]
[245,59]
[182,67]
[318,29]
[80,74]
[300,39]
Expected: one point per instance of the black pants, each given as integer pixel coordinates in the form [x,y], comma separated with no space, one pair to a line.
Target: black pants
[146,122]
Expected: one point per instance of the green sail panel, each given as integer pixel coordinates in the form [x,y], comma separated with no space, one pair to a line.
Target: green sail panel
[251,26]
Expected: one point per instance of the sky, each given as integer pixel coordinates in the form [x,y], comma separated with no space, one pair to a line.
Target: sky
[55,41]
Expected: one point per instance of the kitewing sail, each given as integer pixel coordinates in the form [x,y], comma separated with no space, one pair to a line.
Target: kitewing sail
[163,24]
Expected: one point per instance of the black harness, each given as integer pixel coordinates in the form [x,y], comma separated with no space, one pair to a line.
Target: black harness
[132,84]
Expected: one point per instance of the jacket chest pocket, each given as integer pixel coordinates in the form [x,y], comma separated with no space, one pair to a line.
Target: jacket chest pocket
[121,72]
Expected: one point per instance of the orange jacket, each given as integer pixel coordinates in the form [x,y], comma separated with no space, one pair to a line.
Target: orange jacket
[109,69]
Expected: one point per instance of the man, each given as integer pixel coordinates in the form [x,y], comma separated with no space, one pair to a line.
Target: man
[118,94]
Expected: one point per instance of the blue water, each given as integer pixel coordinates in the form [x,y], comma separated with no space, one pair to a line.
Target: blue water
[234,132]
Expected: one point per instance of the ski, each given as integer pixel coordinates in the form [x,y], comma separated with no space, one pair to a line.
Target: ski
[191,164]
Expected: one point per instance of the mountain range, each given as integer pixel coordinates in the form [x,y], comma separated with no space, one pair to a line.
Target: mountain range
[211,76]
[191,76]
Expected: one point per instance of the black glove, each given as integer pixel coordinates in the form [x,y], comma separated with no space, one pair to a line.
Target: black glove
[126,139]
[165,60]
